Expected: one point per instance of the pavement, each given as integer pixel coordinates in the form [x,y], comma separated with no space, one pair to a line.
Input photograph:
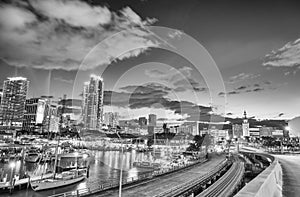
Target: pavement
[158,185]
[291,175]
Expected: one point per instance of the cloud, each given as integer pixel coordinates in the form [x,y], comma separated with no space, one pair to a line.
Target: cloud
[288,56]
[181,79]
[241,88]
[57,34]
[154,96]
[64,80]
[232,92]
[221,94]
[257,89]
[242,77]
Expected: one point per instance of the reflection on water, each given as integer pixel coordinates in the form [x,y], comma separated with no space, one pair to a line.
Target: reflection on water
[104,166]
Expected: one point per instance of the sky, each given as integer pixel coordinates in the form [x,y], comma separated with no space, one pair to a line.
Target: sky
[247,54]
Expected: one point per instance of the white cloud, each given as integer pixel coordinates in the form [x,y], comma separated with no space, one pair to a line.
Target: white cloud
[58,34]
[75,13]
[288,55]
[242,77]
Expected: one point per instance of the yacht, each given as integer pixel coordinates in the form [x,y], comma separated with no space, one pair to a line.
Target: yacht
[60,180]
[32,156]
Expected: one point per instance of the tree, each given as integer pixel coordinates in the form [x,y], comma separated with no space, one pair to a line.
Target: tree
[198,142]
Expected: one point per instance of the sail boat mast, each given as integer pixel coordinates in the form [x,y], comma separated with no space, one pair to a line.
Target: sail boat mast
[59,132]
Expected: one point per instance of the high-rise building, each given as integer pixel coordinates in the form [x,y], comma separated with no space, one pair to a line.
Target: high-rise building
[93,103]
[142,121]
[69,111]
[152,120]
[13,102]
[34,116]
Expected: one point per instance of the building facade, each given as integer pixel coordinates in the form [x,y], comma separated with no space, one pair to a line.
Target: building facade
[34,115]
[111,119]
[93,103]
[245,126]
[152,120]
[142,121]
[13,102]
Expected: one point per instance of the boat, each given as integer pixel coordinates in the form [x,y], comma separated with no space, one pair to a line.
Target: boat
[146,164]
[60,180]
[32,157]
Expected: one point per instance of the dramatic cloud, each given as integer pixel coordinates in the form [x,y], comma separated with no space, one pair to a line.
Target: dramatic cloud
[181,79]
[242,77]
[58,34]
[154,96]
[288,55]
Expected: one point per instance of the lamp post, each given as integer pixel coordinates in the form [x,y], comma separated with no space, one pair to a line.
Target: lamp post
[12,166]
[76,155]
[121,170]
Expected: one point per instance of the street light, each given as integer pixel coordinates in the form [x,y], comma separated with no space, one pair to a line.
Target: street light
[121,171]
[12,166]
[76,155]
[287,128]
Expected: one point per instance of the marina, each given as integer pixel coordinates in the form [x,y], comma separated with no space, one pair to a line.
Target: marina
[76,169]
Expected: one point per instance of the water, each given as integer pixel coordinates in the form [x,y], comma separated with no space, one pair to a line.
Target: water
[105,166]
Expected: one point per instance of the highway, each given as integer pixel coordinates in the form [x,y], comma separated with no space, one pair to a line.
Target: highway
[227,184]
[291,175]
[160,184]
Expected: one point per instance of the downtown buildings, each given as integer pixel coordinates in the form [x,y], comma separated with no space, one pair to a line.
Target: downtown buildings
[13,102]
[93,103]
[111,119]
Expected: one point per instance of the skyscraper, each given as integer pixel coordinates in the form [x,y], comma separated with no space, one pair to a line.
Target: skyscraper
[13,102]
[34,115]
[93,102]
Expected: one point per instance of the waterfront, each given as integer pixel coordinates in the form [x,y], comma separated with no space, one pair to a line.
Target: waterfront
[104,166]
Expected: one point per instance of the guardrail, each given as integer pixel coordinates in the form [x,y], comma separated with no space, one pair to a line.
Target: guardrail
[96,187]
[227,184]
[267,183]
[176,191]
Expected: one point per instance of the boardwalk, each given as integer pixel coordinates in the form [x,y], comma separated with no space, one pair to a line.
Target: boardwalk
[159,184]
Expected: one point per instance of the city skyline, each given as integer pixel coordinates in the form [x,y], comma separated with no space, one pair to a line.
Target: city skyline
[259,65]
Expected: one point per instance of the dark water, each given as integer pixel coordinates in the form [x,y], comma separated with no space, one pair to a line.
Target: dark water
[105,166]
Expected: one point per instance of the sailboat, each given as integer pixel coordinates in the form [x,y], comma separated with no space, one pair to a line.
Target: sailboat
[149,163]
[59,179]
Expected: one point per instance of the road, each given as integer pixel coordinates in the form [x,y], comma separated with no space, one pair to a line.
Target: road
[160,184]
[291,175]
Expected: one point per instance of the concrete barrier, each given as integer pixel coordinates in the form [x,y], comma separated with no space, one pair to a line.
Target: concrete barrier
[267,184]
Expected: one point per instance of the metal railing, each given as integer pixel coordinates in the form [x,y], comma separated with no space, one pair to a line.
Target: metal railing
[227,184]
[180,189]
[96,187]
